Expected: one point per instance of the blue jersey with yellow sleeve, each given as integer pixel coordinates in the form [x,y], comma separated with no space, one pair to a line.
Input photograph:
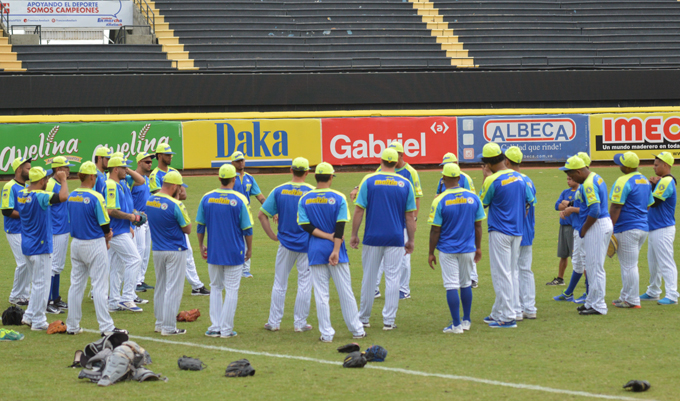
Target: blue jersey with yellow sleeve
[283,200]
[36,222]
[140,194]
[225,215]
[568,195]
[100,184]
[506,195]
[456,210]
[157,177]
[634,192]
[592,197]
[529,226]
[10,192]
[386,197]
[60,223]
[118,196]
[323,208]
[408,172]
[464,182]
[87,212]
[166,217]
[663,214]
[246,185]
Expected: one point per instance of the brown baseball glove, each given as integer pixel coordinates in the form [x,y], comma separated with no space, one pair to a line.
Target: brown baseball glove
[188,316]
[56,327]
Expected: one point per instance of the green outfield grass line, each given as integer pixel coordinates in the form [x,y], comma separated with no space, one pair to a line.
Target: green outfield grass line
[395,370]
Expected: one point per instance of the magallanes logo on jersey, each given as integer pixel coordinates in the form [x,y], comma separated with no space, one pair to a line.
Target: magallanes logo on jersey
[233,203]
[86,201]
[164,206]
[331,201]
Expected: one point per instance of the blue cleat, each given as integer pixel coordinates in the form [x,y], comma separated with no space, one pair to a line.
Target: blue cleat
[564,297]
[581,300]
[403,295]
[247,275]
[488,320]
[503,325]
[667,301]
[647,297]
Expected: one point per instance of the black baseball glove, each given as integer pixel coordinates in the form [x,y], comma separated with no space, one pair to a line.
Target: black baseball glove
[12,316]
[637,385]
[240,368]
[376,353]
[140,219]
[354,360]
[189,363]
[352,347]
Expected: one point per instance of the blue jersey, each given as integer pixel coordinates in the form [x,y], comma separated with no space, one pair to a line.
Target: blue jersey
[386,197]
[225,215]
[87,212]
[167,216]
[100,184]
[663,214]
[410,174]
[60,224]
[118,196]
[157,177]
[36,222]
[284,200]
[592,196]
[10,193]
[507,195]
[529,226]
[323,208]
[568,195]
[140,194]
[634,192]
[464,182]
[456,210]
[576,220]
[247,186]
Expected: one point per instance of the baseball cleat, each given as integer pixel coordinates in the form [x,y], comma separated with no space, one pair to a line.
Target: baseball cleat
[627,305]
[230,335]
[10,335]
[115,309]
[247,275]
[404,295]
[140,288]
[667,301]
[141,301]
[26,323]
[269,327]
[175,332]
[129,305]
[647,297]
[73,333]
[581,299]
[475,284]
[556,281]
[454,329]
[503,325]
[564,297]
[22,302]
[115,330]
[465,324]
[304,328]
[519,317]
[389,327]
[200,291]
[358,336]
[211,333]
[53,310]
[488,320]
[617,301]
[157,329]
[60,304]
[42,328]
[377,294]
[529,315]
[589,311]
[325,340]
[147,286]
[581,308]
[366,324]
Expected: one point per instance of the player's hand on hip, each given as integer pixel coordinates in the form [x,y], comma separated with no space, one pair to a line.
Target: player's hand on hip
[353,194]
[249,253]
[204,252]
[432,260]
[354,242]
[132,232]
[276,219]
[582,233]
[409,247]
[334,258]
[478,255]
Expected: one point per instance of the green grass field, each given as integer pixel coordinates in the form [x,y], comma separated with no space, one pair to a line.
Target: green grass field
[560,350]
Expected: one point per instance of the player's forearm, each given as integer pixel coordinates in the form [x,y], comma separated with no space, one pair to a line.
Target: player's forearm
[322,234]
[590,220]
[435,232]
[118,214]
[187,229]
[249,242]
[411,225]
[264,221]
[201,237]
[63,191]
[356,223]
[478,234]
[615,212]
[261,198]
[136,177]
[417,207]
[337,242]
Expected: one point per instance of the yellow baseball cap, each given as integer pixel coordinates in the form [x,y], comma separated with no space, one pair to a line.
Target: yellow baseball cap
[573,163]
[490,150]
[36,174]
[628,159]
[514,154]
[324,168]
[164,148]
[236,156]
[88,168]
[585,157]
[117,162]
[19,161]
[451,170]
[103,152]
[397,146]
[227,171]
[665,157]
[300,164]
[142,156]
[449,158]
[174,177]
[122,156]
[61,161]
[390,155]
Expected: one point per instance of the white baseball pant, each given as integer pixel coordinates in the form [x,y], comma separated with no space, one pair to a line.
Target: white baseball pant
[40,271]
[321,275]
[662,263]
[503,255]
[125,262]
[192,274]
[456,269]
[405,277]
[89,258]
[170,267]
[371,257]
[578,254]
[526,286]
[285,259]
[227,279]
[630,243]
[59,249]
[595,244]
[21,288]
[143,242]
[246,264]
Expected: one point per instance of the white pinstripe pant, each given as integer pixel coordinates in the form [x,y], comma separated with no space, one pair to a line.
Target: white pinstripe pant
[59,249]
[143,242]
[246,264]
[285,259]
[595,244]
[662,263]
[89,259]
[125,262]
[630,243]
[170,268]
[456,269]
[192,273]
[227,279]
[578,254]
[371,257]
[21,288]
[321,275]
[39,269]
[503,255]
[524,282]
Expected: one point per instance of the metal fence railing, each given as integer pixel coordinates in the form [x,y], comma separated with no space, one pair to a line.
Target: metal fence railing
[148,13]
[123,31]
[4,18]
[36,30]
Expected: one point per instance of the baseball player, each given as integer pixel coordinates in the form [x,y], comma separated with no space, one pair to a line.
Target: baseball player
[247,186]
[630,198]
[507,195]
[169,222]
[661,221]
[595,232]
[293,246]
[60,234]
[323,214]
[565,241]
[164,155]
[140,194]
[12,224]
[101,160]
[525,305]
[225,215]
[36,240]
[91,231]
[456,218]
[389,202]
[123,256]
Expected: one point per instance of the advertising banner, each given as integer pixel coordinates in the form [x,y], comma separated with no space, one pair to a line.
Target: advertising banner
[644,134]
[349,141]
[265,143]
[70,14]
[550,138]
[78,141]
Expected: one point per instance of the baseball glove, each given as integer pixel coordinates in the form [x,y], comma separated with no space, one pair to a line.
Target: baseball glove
[354,360]
[637,385]
[189,363]
[188,316]
[375,353]
[56,327]
[12,316]
[613,247]
[240,368]
[140,218]
[346,349]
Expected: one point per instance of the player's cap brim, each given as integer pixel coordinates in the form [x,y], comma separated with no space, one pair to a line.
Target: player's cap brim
[50,172]
[185,185]
[165,153]
[565,168]
[617,159]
